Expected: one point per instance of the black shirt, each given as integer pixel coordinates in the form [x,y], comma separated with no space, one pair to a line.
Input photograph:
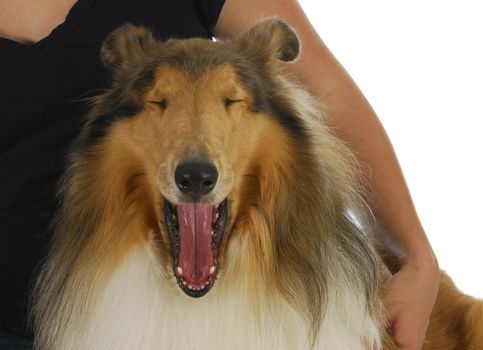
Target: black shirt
[43,91]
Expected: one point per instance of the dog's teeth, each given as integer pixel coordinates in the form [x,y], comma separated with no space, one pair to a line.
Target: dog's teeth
[180,270]
[190,286]
[212,270]
[184,283]
[215,217]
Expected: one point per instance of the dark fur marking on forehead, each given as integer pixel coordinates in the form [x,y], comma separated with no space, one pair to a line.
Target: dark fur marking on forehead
[193,57]
[253,69]
[267,98]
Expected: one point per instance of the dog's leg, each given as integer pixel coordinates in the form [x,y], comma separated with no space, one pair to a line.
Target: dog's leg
[473,326]
[456,321]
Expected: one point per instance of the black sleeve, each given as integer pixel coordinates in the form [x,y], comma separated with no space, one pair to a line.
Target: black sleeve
[209,11]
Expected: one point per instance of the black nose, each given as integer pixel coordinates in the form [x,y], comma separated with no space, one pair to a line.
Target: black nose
[196,178]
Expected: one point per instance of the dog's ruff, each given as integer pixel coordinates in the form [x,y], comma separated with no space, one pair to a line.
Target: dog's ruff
[221,320]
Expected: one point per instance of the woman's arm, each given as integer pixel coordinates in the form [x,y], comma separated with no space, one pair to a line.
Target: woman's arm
[413,291]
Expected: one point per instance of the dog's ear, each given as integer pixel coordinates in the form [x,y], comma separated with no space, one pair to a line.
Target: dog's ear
[275,36]
[124,44]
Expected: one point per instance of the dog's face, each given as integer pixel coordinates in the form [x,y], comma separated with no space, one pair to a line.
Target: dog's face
[205,134]
[201,118]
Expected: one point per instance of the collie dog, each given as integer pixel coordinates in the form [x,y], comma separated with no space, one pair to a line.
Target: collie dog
[206,206]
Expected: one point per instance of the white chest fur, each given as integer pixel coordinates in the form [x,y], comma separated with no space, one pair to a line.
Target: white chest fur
[140,309]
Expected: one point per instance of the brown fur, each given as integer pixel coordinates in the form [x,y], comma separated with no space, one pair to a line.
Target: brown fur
[289,190]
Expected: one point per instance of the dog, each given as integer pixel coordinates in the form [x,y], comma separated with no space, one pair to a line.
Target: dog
[207,206]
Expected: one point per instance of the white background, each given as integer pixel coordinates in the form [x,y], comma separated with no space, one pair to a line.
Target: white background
[420,64]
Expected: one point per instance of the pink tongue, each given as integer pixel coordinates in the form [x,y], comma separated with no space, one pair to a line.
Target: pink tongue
[195,252]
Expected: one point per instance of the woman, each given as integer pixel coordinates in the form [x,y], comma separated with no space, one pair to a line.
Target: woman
[46,72]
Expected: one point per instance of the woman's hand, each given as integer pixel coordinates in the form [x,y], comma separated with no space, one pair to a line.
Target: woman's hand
[409,301]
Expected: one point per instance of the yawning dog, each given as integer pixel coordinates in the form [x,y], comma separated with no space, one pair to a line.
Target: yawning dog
[207,206]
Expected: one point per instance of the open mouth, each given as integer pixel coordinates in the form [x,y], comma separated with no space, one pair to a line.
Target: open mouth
[195,232]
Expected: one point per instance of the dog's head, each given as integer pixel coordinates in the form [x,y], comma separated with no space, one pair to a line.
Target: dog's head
[200,118]
[203,147]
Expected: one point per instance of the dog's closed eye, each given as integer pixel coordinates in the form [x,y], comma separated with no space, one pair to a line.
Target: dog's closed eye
[229,102]
[163,104]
